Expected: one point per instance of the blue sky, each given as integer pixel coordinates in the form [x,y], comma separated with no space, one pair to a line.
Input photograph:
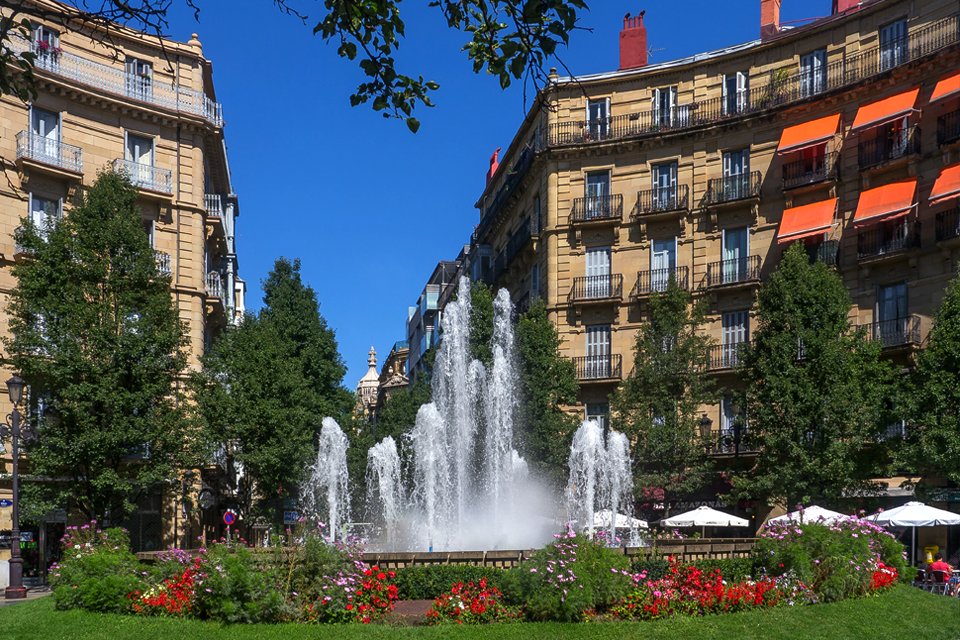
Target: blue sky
[368,207]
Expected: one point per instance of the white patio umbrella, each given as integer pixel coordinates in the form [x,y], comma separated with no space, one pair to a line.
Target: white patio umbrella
[601,520]
[915,514]
[703,517]
[813,513]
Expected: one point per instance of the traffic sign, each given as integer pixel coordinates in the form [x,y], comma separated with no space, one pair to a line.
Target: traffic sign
[6,503]
[290,517]
[229,517]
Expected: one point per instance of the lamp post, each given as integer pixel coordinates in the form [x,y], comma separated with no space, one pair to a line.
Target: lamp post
[706,427]
[15,590]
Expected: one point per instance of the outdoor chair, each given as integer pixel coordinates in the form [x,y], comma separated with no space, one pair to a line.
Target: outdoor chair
[920,580]
[939,582]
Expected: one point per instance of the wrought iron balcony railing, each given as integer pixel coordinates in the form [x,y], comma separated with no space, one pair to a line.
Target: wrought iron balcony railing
[518,241]
[145,176]
[597,208]
[32,146]
[882,240]
[883,148]
[732,188]
[726,356]
[163,263]
[605,367]
[657,280]
[948,128]
[827,252]
[948,224]
[800,173]
[733,271]
[119,81]
[895,333]
[594,288]
[663,199]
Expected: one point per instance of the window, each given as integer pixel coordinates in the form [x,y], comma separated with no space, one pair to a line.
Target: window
[891,327]
[736,250]
[149,227]
[598,272]
[736,174]
[813,72]
[735,96]
[598,118]
[536,216]
[736,332]
[597,194]
[664,102]
[600,412]
[535,282]
[733,424]
[663,263]
[46,46]
[664,186]
[140,158]
[893,44]
[44,135]
[44,214]
[598,352]
[139,79]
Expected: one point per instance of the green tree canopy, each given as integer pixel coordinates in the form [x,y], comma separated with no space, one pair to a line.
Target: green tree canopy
[95,333]
[816,390]
[658,404]
[481,323]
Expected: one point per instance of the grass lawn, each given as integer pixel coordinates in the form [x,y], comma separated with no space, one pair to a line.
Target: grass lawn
[904,613]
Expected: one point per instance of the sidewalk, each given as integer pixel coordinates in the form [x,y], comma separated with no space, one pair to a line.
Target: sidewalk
[32,594]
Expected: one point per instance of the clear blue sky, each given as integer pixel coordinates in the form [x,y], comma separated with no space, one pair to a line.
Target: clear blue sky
[368,207]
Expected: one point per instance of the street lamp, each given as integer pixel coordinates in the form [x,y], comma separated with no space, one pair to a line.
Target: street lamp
[15,590]
[706,427]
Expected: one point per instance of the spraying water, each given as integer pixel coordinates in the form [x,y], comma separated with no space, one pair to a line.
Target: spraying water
[327,493]
[384,488]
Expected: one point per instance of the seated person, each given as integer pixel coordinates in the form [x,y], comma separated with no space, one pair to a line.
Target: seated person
[939,565]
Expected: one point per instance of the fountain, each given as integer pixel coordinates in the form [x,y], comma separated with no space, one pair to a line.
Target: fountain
[327,493]
[384,488]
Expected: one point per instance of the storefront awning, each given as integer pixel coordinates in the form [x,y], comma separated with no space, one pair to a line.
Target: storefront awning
[808,220]
[947,185]
[947,87]
[890,201]
[881,111]
[808,134]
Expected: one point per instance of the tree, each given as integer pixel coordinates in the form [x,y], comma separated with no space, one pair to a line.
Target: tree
[931,402]
[96,335]
[267,384]
[481,323]
[658,404]
[816,390]
[508,39]
[548,382]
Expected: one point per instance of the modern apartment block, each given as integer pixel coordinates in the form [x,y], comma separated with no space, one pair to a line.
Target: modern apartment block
[842,134]
[423,320]
[147,108]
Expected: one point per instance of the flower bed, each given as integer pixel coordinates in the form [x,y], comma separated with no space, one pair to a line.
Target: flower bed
[471,603]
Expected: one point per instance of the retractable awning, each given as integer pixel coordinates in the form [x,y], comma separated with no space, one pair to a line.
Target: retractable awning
[808,134]
[948,86]
[808,220]
[881,111]
[947,185]
[890,201]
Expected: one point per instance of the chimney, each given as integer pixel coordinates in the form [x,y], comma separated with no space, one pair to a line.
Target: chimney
[494,164]
[842,6]
[769,18]
[633,43]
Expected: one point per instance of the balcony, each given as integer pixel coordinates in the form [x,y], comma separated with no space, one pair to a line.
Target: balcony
[734,272]
[733,188]
[216,292]
[886,240]
[214,206]
[663,201]
[119,82]
[827,252]
[948,225]
[948,128]
[657,281]
[597,209]
[596,289]
[724,357]
[802,173]
[734,441]
[51,153]
[598,368]
[145,176]
[883,149]
[163,263]
[892,334]
[519,241]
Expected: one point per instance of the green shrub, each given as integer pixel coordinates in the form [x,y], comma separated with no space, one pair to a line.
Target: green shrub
[97,572]
[234,588]
[835,561]
[434,581]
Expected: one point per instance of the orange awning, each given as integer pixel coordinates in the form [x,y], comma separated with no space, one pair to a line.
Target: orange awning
[947,185]
[885,203]
[808,134]
[876,113]
[808,220]
[946,87]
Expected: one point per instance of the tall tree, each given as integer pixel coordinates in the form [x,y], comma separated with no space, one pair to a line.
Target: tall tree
[481,322]
[658,404]
[816,390]
[509,40]
[96,335]
[548,382]
[267,384]
[931,402]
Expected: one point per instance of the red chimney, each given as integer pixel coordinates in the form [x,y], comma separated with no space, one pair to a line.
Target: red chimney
[633,43]
[769,18]
[494,164]
[842,6]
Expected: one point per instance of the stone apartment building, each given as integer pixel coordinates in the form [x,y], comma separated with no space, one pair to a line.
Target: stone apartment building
[842,134]
[147,108]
